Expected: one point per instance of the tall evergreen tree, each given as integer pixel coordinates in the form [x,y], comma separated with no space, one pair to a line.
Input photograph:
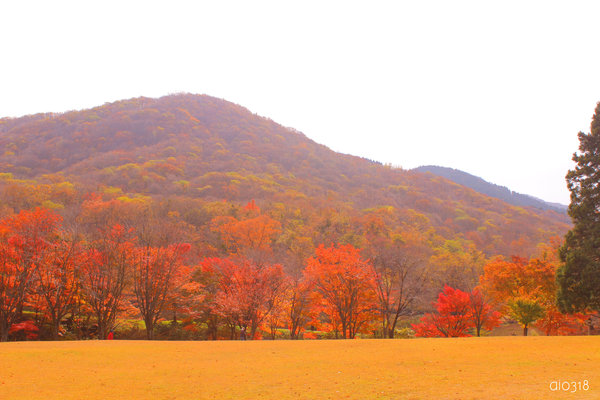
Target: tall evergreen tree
[579,278]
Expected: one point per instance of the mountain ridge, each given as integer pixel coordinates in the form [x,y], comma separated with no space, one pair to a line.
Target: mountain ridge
[490,189]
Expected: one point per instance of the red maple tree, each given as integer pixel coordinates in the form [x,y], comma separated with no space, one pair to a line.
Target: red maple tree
[457,312]
[24,242]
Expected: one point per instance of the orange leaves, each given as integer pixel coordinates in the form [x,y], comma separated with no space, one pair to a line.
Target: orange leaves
[99,213]
[338,263]
[255,233]
[504,280]
[309,336]
[57,281]
[299,305]
[32,223]
[556,323]
[344,283]
[250,235]
[531,281]
[157,271]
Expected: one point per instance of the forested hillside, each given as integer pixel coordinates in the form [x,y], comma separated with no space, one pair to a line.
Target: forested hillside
[194,152]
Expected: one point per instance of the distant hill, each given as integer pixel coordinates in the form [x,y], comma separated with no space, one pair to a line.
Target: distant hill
[202,157]
[490,189]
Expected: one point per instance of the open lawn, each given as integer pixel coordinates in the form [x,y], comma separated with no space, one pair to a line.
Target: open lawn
[466,368]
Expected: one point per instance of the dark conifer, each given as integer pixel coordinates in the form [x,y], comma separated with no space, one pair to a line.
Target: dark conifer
[579,278]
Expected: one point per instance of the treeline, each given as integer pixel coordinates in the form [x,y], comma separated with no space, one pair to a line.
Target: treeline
[85,278]
[54,279]
[80,283]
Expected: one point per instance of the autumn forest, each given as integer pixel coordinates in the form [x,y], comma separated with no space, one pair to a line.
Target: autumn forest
[189,217]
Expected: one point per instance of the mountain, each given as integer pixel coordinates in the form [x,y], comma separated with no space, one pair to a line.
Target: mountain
[489,189]
[201,158]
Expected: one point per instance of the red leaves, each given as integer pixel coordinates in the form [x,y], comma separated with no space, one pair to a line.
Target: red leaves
[32,224]
[57,280]
[27,238]
[244,293]
[482,313]
[104,275]
[556,323]
[182,248]
[457,313]
[27,327]
[251,207]
[452,318]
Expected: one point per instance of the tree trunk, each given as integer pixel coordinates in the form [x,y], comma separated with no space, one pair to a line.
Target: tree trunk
[102,332]
[390,332]
[478,330]
[214,331]
[104,326]
[253,330]
[525,330]
[55,329]
[149,328]
[3,331]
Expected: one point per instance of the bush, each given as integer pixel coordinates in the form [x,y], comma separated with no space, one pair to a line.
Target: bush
[404,333]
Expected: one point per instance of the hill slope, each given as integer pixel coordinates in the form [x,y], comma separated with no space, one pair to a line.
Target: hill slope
[490,189]
[196,151]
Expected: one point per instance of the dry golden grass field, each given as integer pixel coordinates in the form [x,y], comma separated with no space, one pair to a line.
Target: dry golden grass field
[467,368]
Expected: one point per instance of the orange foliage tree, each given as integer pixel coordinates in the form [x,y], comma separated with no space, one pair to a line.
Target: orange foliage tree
[504,280]
[530,282]
[556,323]
[57,281]
[251,235]
[300,307]
[345,285]
[156,272]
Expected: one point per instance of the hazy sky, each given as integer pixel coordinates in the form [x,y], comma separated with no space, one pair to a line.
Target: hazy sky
[497,89]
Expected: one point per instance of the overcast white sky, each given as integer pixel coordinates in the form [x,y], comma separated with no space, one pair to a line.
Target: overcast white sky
[497,89]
